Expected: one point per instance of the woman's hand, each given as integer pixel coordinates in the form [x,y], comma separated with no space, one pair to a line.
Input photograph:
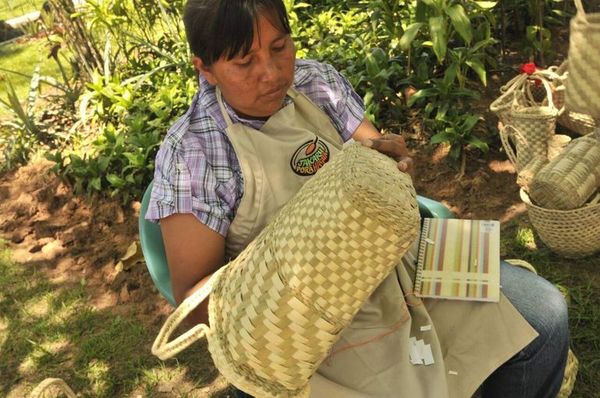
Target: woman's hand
[393,145]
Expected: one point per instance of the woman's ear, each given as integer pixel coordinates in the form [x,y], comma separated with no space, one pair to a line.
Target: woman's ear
[204,70]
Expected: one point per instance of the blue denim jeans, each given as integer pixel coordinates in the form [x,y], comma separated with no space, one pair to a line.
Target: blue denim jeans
[537,370]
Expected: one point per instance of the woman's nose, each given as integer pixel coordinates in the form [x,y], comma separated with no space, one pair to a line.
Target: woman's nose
[268,71]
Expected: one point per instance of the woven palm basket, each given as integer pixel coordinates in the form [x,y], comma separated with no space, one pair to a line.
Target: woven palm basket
[571,178]
[276,310]
[580,123]
[583,85]
[570,233]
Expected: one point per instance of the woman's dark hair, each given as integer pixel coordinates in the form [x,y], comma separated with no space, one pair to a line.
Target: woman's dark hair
[225,28]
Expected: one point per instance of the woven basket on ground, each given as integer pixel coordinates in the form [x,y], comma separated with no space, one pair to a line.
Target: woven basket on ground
[571,178]
[276,310]
[570,233]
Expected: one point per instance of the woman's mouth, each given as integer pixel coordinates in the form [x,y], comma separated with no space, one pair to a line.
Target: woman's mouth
[275,93]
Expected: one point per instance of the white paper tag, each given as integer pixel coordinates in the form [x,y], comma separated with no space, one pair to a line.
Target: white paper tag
[427,355]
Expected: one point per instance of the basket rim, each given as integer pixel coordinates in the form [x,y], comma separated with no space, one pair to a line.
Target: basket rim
[525,198]
[537,112]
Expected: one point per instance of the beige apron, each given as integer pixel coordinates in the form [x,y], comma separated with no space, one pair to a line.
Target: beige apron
[468,340]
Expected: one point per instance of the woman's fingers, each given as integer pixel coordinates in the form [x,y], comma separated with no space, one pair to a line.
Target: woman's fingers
[392,145]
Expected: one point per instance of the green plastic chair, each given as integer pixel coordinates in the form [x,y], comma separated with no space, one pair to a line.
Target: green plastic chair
[154,249]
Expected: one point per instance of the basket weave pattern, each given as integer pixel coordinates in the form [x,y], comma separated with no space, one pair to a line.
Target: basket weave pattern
[276,310]
[583,86]
[570,233]
[536,126]
[578,122]
[569,179]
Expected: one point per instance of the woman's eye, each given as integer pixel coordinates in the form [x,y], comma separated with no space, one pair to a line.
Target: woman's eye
[244,63]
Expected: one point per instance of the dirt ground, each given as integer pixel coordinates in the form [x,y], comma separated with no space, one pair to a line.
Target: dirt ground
[69,237]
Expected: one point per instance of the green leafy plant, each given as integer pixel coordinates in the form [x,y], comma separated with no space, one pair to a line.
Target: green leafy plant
[24,115]
[460,132]
[453,40]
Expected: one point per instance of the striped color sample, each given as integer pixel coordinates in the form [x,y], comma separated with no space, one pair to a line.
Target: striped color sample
[459,259]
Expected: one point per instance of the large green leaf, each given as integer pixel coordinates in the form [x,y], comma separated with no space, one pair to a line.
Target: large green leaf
[437,28]
[409,35]
[477,143]
[423,93]
[461,22]
[479,68]
[442,137]
[470,122]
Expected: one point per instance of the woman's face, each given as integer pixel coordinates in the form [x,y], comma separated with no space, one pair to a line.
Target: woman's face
[256,84]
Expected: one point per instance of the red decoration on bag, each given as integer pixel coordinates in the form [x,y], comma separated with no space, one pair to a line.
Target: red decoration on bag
[528,68]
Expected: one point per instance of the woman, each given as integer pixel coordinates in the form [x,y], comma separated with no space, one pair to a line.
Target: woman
[239,153]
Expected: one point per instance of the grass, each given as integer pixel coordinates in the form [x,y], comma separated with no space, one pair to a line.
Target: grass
[49,330]
[23,58]
[15,8]
[578,279]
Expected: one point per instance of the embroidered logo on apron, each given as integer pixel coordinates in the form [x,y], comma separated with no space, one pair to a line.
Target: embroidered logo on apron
[310,157]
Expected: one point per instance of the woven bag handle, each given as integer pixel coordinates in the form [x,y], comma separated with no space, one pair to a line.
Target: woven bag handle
[514,83]
[580,10]
[521,263]
[162,347]
[507,90]
[548,89]
[504,136]
[40,390]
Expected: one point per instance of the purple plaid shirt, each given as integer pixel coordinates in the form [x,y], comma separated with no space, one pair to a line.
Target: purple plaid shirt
[197,170]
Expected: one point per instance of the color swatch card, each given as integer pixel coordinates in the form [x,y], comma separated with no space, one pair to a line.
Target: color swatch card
[459,259]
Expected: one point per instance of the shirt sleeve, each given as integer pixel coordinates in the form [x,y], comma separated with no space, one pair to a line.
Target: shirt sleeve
[184,182]
[345,107]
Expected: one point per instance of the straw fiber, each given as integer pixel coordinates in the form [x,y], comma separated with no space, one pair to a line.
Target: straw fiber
[52,387]
[570,233]
[276,310]
[568,382]
[525,175]
[580,123]
[530,130]
[577,122]
[583,85]
[569,179]
[557,144]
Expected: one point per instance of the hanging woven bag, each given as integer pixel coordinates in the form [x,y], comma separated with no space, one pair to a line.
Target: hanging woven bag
[580,123]
[513,95]
[530,129]
[583,85]
[277,309]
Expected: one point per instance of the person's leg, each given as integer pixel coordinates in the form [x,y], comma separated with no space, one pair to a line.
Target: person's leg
[537,370]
